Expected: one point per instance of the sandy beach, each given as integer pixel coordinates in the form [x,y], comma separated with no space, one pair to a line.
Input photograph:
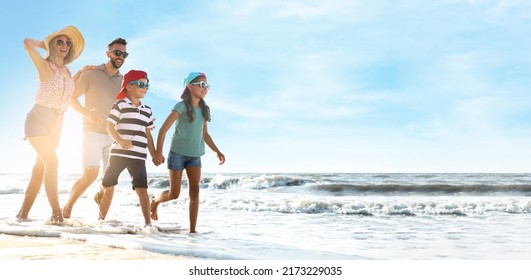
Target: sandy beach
[35,257]
[14,247]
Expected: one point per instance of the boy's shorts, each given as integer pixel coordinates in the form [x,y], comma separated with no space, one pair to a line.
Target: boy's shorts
[178,162]
[136,168]
[44,121]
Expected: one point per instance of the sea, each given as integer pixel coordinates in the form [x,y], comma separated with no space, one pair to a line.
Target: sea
[300,216]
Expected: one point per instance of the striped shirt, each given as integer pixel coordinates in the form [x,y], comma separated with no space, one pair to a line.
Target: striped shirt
[131,123]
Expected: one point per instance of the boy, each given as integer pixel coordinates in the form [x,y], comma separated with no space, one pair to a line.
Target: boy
[129,123]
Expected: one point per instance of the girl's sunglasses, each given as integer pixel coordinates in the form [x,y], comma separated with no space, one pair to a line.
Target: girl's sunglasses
[60,42]
[202,84]
[140,84]
[120,53]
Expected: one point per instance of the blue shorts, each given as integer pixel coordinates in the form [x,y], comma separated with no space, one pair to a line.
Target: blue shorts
[178,162]
[136,168]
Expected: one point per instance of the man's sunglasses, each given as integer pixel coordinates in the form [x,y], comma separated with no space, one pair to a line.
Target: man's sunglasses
[202,84]
[61,43]
[140,84]
[120,53]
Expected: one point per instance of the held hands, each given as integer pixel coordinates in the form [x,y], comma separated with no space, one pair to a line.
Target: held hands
[158,159]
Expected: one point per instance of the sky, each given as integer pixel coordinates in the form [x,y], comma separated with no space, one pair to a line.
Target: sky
[305,86]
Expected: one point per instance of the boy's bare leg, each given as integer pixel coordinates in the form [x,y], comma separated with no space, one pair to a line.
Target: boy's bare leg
[143,198]
[105,202]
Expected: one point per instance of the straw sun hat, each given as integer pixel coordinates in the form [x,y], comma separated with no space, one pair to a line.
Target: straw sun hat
[78,43]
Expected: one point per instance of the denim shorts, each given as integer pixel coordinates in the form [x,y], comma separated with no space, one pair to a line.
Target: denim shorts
[178,162]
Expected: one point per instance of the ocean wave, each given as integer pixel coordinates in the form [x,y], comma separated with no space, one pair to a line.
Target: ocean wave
[11,190]
[360,184]
[39,228]
[376,207]
[364,184]
[227,182]
[423,188]
[254,182]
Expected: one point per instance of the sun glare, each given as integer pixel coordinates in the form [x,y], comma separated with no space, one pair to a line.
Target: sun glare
[69,151]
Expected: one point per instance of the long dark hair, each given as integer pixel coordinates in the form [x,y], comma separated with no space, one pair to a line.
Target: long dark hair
[205,110]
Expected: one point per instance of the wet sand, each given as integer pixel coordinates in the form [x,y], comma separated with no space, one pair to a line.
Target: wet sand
[14,247]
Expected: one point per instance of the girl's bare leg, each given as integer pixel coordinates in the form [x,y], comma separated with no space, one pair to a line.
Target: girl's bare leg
[167,195]
[194,178]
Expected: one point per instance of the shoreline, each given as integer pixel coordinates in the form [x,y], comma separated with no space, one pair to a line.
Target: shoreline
[14,247]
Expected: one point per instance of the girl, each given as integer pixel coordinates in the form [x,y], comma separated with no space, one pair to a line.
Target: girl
[188,144]
[44,122]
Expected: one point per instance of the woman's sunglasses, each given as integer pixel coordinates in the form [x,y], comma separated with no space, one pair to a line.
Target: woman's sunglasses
[120,53]
[140,84]
[60,42]
[202,84]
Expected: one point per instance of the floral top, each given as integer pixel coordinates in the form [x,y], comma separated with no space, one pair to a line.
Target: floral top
[55,92]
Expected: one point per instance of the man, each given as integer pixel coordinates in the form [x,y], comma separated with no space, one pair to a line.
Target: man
[99,85]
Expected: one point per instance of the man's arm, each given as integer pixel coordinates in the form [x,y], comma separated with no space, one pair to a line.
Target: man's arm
[80,90]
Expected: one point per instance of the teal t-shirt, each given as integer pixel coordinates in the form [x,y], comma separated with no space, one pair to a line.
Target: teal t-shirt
[187,140]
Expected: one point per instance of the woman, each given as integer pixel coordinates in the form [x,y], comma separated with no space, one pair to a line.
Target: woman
[45,120]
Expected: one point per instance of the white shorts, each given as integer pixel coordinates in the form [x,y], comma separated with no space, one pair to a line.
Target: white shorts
[96,148]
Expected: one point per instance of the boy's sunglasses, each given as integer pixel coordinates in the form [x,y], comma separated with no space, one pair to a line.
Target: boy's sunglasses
[120,53]
[140,84]
[202,84]
[60,42]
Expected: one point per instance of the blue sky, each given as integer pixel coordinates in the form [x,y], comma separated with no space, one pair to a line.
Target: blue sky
[307,86]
